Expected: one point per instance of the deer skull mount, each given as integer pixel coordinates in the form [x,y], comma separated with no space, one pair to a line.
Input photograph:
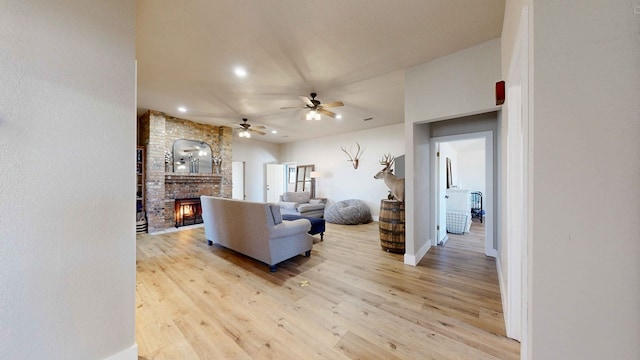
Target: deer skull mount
[355,158]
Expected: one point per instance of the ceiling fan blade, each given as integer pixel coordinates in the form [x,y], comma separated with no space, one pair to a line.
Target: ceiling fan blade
[333,104]
[306,100]
[259,127]
[258,131]
[326,112]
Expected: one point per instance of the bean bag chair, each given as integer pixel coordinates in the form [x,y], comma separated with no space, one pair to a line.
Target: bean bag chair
[348,212]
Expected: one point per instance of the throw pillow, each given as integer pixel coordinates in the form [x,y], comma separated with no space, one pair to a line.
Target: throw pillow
[275,212]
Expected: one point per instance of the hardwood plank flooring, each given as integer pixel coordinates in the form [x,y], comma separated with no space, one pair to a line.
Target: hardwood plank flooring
[471,241]
[349,300]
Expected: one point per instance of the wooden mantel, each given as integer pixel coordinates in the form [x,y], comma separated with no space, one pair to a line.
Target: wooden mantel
[177,178]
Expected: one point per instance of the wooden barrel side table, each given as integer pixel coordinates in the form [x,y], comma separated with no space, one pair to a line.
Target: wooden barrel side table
[391,225]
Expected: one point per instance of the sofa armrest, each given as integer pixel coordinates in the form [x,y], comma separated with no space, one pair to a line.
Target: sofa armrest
[288,228]
[288,205]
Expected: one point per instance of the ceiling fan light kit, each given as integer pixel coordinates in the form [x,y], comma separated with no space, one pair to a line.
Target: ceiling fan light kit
[246,129]
[313,115]
[315,108]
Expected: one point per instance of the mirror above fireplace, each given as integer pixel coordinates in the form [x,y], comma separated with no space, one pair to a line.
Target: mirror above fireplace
[192,157]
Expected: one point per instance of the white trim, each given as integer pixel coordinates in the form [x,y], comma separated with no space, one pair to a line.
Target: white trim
[130,353]
[174,229]
[503,291]
[460,115]
[434,187]
[413,260]
[517,155]
[489,232]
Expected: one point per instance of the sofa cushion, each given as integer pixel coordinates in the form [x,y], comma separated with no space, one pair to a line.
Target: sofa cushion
[298,197]
[308,207]
[275,213]
[288,205]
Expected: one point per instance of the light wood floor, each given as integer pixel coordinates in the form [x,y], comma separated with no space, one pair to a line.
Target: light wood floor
[471,241]
[349,300]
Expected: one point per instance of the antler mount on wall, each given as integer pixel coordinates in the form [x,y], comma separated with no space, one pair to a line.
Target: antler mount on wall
[354,158]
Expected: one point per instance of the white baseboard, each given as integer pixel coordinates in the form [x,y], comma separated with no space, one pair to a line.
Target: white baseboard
[173,229]
[126,354]
[413,260]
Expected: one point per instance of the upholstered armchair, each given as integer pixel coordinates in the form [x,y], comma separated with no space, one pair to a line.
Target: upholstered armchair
[301,204]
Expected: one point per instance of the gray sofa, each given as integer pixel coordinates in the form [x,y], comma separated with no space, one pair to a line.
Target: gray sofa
[300,203]
[254,229]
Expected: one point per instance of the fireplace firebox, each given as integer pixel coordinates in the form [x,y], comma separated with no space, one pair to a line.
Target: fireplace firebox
[188,212]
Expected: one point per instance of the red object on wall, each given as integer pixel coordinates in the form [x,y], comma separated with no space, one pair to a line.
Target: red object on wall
[500,92]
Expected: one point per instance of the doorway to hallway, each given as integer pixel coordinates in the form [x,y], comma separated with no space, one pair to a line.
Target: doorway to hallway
[463,192]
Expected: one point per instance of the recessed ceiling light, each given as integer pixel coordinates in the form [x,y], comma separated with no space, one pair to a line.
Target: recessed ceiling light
[338,116]
[240,72]
[182,109]
[274,132]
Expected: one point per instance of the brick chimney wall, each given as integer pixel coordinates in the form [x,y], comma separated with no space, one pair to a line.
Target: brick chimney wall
[157,132]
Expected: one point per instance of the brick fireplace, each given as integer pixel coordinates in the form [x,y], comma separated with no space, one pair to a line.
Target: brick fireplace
[185,186]
[157,132]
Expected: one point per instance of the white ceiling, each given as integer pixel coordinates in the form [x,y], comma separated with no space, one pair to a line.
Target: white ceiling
[355,51]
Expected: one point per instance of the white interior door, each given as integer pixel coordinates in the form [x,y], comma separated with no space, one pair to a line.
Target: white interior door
[237,179]
[275,182]
[442,201]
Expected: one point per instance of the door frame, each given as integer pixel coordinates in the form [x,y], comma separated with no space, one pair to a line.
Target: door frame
[518,191]
[489,248]
[440,204]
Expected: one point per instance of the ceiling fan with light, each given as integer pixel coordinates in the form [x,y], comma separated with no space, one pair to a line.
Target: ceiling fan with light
[247,130]
[315,107]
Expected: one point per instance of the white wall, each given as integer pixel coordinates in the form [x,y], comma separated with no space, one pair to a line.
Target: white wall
[459,84]
[448,152]
[471,170]
[585,262]
[256,154]
[418,194]
[67,215]
[340,181]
